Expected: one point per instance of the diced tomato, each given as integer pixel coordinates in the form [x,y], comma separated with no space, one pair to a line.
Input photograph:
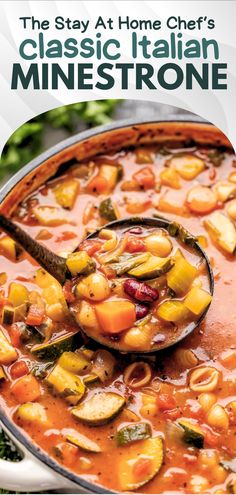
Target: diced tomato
[35,315]
[173,413]
[166,402]
[26,389]
[135,245]
[90,247]
[19,369]
[67,452]
[145,178]
[66,236]
[67,291]
[211,439]
[97,185]
[142,467]
[15,335]
[108,271]
[194,410]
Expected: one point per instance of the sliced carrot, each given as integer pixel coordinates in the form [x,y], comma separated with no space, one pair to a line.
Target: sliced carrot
[26,389]
[19,369]
[135,245]
[166,402]
[35,315]
[145,178]
[201,200]
[97,185]
[90,247]
[211,439]
[15,335]
[115,316]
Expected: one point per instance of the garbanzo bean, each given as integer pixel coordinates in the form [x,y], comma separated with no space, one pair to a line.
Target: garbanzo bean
[149,410]
[208,458]
[206,401]
[94,287]
[198,484]
[217,417]
[159,245]
[86,315]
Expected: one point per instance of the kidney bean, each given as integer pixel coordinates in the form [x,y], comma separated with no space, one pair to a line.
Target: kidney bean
[141,311]
[140,291]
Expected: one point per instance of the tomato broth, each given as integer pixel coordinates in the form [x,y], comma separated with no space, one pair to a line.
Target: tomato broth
[163,422]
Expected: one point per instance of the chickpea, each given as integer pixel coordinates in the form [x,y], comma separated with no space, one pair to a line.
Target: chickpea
[94,287]
[55,312]
[208,458]
[218,418]
[206,401]
[148,399]
[138,337]
[85,463]
[158,245]
[86,316]
[149,410]
[198,484]
[218,474]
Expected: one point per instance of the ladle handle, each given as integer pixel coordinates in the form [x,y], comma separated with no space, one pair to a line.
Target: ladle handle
[55,265]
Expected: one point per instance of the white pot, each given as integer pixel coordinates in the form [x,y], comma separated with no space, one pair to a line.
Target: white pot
[32,475]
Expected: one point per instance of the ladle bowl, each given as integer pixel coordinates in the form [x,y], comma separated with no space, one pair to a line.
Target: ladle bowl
[57,266]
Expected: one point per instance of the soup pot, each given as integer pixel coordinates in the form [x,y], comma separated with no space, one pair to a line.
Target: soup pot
[37,470]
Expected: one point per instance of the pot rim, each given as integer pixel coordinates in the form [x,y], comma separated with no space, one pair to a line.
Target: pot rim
[87,134]
[23,438]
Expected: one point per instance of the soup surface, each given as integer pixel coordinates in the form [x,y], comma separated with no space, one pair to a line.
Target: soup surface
[155,423]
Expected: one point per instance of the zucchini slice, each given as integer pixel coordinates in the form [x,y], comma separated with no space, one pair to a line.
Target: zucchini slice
[150,449]
[75,362]
[193,434]
[100,409]
[107,210]
[32,412]
[153,267]
[133,432]
[66,193]
[54,348]
[81,441]
[8,315]
[8,353]
[126,263]
[66,384]
[80,263]
[181,276]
